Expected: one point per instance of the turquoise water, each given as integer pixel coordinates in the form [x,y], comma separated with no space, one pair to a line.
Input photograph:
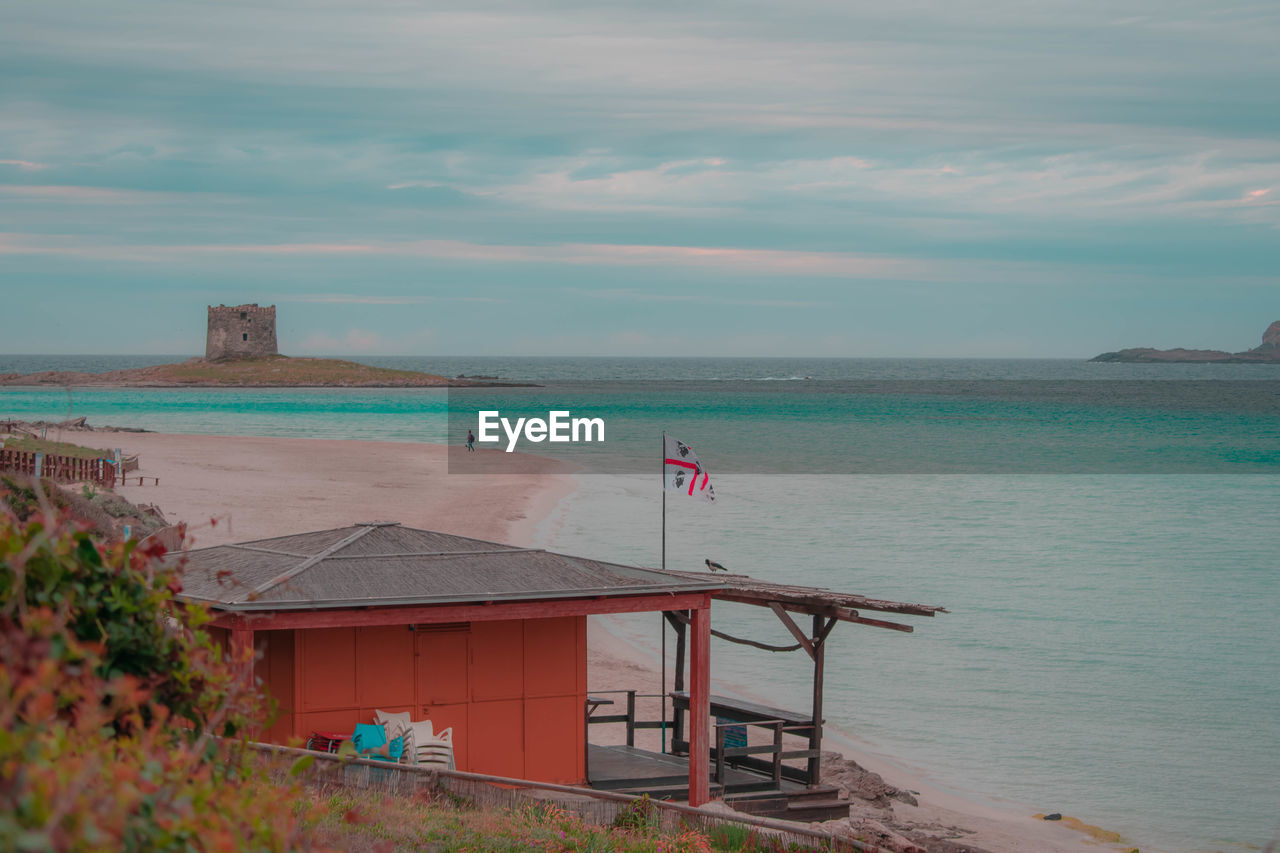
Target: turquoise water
[407,414]
[1111,651]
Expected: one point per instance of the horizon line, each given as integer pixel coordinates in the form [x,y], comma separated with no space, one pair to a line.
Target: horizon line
[348,356]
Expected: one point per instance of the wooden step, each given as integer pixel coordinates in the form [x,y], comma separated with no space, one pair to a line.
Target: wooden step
[665,792]
[818,792]
[772,804]
[811,810]
[628,784]
[752,788]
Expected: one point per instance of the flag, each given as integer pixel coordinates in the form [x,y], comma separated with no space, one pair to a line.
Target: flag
[682,472]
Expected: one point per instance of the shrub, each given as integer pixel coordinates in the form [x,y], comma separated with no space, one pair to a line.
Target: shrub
[639,815]
[108,708]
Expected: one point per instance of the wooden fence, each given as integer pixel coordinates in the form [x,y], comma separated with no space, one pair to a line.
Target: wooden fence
[62,469]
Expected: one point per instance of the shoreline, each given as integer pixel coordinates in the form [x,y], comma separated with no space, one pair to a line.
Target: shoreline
[261,487]
[617,661]
[249,371]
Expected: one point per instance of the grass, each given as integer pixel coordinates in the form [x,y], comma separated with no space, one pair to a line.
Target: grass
[361,821]
[55,448]
[282,370]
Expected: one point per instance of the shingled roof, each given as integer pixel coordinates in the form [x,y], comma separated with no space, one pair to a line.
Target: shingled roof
[384,563]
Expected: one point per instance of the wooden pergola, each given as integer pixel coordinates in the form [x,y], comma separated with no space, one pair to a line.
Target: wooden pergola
[825,607]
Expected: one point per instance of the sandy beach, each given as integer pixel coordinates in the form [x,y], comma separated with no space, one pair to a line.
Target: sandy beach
[232,489]
[240,488]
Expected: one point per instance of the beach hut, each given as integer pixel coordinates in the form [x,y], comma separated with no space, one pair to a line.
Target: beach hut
[489,640]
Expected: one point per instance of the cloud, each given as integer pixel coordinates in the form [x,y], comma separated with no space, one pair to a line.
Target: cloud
[709,341]
[792,265]
[686,184]
[354,342]
[819,152]
[696,297]
[352,299]
[358,341]
[269,249]
[770,261]
[348,299]
[80,195]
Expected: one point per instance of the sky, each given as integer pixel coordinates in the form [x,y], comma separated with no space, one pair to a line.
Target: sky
[932,178]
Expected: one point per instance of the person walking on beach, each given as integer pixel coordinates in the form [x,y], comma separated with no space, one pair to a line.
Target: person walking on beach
[471,442]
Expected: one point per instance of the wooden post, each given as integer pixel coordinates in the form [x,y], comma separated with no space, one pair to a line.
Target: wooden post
[720,754]
[700,707]
[815,734]
[586,740]
[677,721]
[241,649]
[777,756]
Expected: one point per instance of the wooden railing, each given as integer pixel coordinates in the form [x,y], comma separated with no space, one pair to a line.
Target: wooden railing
[740,756]
[777,721]
[62,469]
[628,717]
[744,713]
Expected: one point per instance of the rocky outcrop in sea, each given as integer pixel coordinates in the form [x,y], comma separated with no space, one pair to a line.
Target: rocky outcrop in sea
[1267,353]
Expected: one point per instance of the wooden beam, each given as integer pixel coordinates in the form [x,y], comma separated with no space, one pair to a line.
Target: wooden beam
[844,614]
[826,630]
[700,708]
[803,640]
[809,602]
[852,616]
[470,612]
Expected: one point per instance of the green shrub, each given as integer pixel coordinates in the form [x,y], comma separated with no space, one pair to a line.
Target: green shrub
[108,707]
[119,602]
[639,815]
[731,836]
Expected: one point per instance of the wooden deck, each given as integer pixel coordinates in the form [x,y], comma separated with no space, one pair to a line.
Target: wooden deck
[666,777]
[661,776]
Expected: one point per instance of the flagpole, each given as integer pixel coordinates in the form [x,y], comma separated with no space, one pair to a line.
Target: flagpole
[663,620]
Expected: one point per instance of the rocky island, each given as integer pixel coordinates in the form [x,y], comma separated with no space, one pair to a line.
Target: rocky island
[272,371]
[241,351]
[1267,353]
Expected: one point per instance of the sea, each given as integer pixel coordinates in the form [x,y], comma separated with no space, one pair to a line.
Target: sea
[1104,537]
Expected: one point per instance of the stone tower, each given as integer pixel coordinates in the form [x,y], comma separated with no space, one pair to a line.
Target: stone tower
[241,331]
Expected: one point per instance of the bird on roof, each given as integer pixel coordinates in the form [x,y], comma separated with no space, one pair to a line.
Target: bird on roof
[713,566]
